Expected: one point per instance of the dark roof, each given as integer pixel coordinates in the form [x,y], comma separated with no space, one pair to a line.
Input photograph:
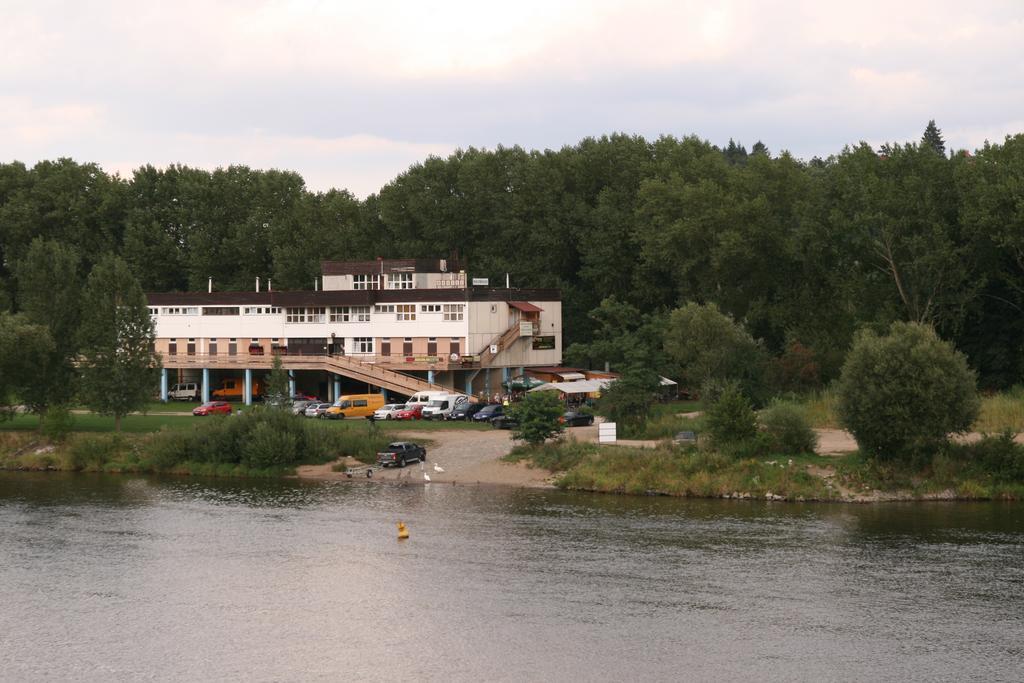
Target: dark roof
[525,306]
[361,297]
[402,265]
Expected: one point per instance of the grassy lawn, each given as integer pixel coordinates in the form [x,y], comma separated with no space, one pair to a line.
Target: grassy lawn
[134,424]
[411,425]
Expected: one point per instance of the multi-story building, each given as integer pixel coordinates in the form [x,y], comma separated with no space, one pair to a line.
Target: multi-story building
[402,325]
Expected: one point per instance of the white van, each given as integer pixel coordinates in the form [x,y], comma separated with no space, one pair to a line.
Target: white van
[184,392]
[441,406]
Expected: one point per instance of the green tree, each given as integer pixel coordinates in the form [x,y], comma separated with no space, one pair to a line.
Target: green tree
[901,394]
[932,138]
[57,308]
[627,401]
[26,349]
[278,385]
[118,369]
[709,346]
[537,417]
[730,419]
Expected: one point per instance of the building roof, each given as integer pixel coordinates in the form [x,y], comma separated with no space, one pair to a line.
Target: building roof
[585,386]
[345,297]
[525,306]
[403,265]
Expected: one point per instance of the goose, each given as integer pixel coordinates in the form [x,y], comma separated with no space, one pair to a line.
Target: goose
[438,468]
[426,477]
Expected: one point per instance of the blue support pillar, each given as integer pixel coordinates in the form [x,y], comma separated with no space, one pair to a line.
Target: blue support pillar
[506,374]
[206,384]
[384,393]
[430,376]
[337,388]
[163,384]
[248,386]
[487,384]
[291,385]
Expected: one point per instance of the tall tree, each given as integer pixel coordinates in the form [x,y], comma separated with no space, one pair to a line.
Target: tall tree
[932,138]
[49,294]
[118,367]
[25,351]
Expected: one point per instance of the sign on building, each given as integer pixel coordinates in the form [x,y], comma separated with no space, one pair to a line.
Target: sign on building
[606,432]
[481,282]
[544,343]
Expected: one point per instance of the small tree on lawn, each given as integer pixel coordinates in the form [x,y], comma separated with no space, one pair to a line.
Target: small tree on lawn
[118,369]
[902,394]
[278,384]
[730,419]
[26,349]
[537,417]
[627,401]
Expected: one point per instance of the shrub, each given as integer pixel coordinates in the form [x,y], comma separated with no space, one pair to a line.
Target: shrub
[268,448]
[57,423]
[537,417]
[558,456]
[627,401]
[93,452]
[901,394]
[787,429]
[730,419]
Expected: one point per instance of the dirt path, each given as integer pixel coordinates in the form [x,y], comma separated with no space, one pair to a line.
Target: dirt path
[467,457]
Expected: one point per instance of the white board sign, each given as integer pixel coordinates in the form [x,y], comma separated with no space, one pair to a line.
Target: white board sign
[606,432]
[480,282]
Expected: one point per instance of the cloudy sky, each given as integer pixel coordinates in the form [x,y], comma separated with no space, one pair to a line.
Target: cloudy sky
[349,94]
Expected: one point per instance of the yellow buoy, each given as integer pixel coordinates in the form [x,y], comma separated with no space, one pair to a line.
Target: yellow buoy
[402,531]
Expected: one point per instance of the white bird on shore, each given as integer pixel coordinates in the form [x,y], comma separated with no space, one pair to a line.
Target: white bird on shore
[438,468]
[426,476]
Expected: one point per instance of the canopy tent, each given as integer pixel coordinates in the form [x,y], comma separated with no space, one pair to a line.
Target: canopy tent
[666,382]
[586,386]
[571,376]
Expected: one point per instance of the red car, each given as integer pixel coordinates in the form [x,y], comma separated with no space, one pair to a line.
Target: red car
[213,408]
[413,412]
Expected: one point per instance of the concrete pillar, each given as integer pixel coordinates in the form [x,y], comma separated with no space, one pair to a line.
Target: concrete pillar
[163,384]
[330,389]
[469,384]
[487,384]
[206,384]
[430,376]
[291,385]
[337,388]
[248,386]
[384,393]
[506,374]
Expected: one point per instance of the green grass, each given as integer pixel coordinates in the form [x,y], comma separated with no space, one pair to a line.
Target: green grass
[411,425]
[90,422]
[1000,412]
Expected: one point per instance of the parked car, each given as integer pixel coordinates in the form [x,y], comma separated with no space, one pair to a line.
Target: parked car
[316,409]
[299,407]
[465,411]
[440,407]
[388,411]
[212,408]
[504,422]
[575,419]
[400,453]
[410,412]
[305,397]
[355,405]
[685,438]
[189,391]
[488,412]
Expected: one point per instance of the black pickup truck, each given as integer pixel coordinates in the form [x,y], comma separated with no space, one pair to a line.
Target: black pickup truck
[401,452]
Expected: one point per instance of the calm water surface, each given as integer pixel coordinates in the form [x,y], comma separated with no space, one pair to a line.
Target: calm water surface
[126,578]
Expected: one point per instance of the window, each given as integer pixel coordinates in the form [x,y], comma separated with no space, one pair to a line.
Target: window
[255,340]
[232,347]
[406,311]
[346,314]
[213,347]
[190,348]
[153,310]
[430,308]
[384,308]
[363,344]
[261,310]
[172,347]
[454,311]
[407,346]
[364,282]
[305,315]
[181,310]
[220,310]
[431,346]
[400,281]
[455,345]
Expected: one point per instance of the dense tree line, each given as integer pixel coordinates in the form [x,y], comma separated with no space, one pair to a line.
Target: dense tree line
[802,254]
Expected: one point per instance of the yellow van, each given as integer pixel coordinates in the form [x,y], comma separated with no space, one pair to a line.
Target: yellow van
[354,405]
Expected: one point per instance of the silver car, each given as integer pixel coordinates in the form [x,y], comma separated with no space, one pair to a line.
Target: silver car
[299,407]
[317,409]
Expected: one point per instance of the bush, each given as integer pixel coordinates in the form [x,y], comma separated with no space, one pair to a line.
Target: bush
[787,429]
[94,452]
[558,456]
[901,395]
[57,423]
[627,401]
[730,420]
[537,417]
[268,448]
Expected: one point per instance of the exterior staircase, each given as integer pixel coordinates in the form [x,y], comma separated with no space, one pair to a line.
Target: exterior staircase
[502,341]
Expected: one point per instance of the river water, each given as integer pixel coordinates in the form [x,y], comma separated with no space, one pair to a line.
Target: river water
[108,578]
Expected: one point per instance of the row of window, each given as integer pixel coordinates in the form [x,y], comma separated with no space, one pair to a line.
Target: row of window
[359,344]
[338,314]
[391,281]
